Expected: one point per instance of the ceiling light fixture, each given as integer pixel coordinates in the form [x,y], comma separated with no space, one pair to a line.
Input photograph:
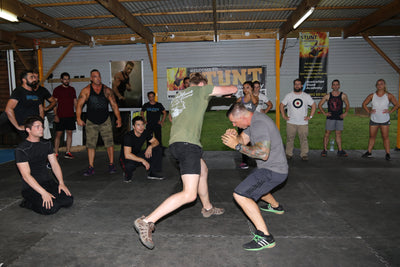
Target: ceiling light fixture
[4,14]
[246,34]
[304,17]
[133,38]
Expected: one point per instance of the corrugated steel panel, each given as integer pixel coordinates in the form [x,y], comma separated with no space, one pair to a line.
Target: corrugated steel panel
[100,22]
[342,13]
[116,31]
[354,2]
[74,11]
[326,24]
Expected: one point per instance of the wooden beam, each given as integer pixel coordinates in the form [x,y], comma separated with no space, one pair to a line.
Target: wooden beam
[40,19]
[56,64]
[149,55]
[214,10]
[380,52]
[379,16]
[126,17]
[26,65]
[12,38]
[304,6]
[282,51]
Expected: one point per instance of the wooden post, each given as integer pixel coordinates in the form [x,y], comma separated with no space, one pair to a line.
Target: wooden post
[155,76]
[149,55]
[40,63]
[26,65]
[277,85]
[282,51]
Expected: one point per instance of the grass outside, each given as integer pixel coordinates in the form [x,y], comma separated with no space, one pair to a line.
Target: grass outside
[354,136]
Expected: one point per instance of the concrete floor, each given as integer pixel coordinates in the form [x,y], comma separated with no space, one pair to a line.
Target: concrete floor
[339,212]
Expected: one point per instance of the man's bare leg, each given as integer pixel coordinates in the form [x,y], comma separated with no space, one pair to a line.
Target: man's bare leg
[69,140]
[271,200]
[250,208]
[110,152]
[91,153]
[187,195]
[203,186]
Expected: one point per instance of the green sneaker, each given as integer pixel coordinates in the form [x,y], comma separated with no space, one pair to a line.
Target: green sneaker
[259,242]
[268,207]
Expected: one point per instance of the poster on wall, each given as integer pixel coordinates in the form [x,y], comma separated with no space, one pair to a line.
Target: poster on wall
[127,83]
[216,76]
[314,48]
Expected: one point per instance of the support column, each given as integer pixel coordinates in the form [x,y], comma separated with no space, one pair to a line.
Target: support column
[155,75]
[40,63]
[277,84]
[398,124]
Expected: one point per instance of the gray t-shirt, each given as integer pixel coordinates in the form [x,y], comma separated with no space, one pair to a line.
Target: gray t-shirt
[262,128]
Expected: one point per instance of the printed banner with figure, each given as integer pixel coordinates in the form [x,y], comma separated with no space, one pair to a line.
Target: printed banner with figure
[314,48]
[216,76]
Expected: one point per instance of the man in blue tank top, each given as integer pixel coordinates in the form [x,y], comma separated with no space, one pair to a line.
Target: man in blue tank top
[97,96]
[334,117]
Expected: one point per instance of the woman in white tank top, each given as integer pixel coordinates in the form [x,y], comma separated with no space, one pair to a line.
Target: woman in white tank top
[380,116]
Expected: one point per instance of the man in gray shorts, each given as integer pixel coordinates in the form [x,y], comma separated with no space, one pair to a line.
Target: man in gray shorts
[334,117]
[187,112]
[272,168]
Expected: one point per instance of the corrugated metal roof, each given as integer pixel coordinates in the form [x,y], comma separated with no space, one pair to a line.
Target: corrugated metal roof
[174,16]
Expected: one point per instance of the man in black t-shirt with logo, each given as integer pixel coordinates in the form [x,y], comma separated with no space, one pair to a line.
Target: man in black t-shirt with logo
[153,112]
[24,102]
[132,155]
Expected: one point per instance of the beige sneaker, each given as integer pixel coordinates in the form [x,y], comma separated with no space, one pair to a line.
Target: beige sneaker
[145,230]
[212,211]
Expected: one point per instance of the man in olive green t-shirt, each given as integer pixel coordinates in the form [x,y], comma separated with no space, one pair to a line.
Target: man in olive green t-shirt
[187,112]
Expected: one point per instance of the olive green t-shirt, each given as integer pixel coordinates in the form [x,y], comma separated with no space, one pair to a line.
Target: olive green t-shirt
[187,112]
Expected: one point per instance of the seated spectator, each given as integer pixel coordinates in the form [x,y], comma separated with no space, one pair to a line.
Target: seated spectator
[40,192]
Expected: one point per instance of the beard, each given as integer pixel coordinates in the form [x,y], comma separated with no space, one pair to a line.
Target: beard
[298,90]
[32,84]
[66,84]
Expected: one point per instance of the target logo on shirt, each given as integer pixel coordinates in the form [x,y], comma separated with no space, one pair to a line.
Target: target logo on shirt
[297,103]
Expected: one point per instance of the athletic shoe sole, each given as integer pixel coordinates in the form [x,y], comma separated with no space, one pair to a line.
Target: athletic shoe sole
[261,248]
[149,246]
[273,211]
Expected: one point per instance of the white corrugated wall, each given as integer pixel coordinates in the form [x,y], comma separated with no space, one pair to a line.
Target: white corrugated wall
[354,62]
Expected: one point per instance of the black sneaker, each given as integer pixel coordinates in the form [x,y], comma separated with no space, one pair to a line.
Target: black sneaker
[259,242]
[155,176]
[269,208]
[341,153]
[127,179]
[367,155]
[324,153]
[387,157]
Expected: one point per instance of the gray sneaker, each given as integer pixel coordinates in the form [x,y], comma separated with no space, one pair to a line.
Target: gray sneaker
[145,231]
[212,211]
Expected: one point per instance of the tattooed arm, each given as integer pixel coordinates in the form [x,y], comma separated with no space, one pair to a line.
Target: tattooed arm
[259,150]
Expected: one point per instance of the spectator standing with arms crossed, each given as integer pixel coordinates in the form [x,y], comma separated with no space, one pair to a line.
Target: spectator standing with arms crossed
[334,117]
[98,96]
[297,118]
[380,116]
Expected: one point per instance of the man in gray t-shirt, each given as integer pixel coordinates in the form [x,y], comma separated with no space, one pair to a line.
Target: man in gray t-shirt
[272,168]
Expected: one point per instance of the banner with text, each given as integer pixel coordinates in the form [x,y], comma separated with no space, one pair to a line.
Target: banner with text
[216,76]
[314,48]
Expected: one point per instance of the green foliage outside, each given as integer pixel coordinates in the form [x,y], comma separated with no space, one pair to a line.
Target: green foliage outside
[354,137]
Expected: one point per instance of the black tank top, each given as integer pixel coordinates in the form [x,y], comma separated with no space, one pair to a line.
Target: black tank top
[122,85]
[335,106]
[97,106]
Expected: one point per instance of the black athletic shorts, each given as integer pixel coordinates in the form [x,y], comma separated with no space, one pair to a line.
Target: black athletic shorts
[65,124]
[188,155]
[259,183]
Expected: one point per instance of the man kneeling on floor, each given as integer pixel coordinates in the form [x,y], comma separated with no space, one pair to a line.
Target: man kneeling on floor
[133,156]
[40,192]
[272,168]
